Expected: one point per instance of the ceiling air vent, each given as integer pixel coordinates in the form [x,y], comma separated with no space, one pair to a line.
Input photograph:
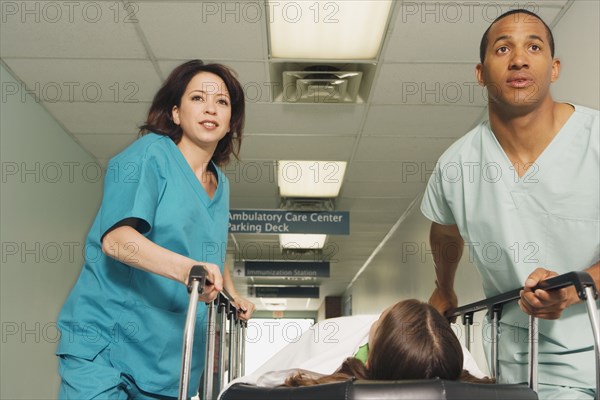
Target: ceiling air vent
[306,204]
[321,84]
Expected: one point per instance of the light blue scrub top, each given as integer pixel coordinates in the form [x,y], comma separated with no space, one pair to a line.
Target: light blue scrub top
[547,218]
[139,315]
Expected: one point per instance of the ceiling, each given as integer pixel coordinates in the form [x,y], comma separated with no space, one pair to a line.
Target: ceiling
[96,65]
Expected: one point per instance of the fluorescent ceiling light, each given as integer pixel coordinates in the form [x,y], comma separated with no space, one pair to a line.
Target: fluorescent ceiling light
[322,179]
[302,241]
[324,29]
[274,304]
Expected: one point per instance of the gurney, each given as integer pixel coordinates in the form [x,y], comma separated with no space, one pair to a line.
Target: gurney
[371,390]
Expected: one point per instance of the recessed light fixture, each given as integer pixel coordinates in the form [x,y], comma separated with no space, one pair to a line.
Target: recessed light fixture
[302,241]
[314,179]
[272,304]
[324,29]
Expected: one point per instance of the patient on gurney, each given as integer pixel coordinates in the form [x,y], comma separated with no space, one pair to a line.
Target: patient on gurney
[409,340]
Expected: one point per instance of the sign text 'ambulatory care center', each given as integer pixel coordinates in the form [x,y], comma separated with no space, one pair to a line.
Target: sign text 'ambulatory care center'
[282,221]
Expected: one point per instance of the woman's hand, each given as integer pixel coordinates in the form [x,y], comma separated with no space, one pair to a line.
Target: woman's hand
[245,307]
[213,283]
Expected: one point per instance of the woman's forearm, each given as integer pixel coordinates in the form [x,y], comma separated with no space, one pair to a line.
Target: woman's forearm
[130,247]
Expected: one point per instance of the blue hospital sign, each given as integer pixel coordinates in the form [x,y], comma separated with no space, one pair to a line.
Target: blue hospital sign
[298,292]
[281,221]
[303,269]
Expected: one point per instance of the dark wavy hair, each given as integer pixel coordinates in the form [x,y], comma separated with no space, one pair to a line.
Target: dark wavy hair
[160,118]
[484,39]
[413,341]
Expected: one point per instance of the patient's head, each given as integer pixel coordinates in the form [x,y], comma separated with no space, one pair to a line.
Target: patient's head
[411,340]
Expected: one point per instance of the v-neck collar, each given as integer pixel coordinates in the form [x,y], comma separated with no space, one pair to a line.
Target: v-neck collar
[509,174]
[191,177]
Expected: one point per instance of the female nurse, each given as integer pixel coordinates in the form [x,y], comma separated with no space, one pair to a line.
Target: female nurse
[165,209]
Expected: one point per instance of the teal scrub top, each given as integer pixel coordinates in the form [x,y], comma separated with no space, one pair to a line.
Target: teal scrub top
[547,218]
[140,315]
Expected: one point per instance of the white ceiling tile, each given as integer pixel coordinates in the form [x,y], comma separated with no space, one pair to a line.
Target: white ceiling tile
[265,147]
[113,81]
[400,149]
[435,84]
[314,119]
[70,29]
[421,120]
[82,117]
[254,202]
[384,189]
[390,171]
[370,202]
[252,178]
[211,30]
[450,31]
[248,189]
[250,172]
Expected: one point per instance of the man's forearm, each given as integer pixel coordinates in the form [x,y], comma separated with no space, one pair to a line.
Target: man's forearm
[447,248]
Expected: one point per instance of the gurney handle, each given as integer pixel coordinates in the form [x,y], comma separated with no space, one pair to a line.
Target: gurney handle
[196,282]
[579,279]
[586,290]
[223,293]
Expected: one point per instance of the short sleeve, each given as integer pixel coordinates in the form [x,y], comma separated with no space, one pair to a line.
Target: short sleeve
[132,189]
[434,205]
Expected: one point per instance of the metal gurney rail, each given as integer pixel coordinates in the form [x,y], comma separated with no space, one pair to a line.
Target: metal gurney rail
[223,306]
[586,290]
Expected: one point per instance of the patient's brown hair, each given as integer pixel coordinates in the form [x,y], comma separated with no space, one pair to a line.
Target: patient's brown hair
[412,341]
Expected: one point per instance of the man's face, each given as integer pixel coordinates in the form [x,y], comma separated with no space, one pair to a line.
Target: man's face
[518,67]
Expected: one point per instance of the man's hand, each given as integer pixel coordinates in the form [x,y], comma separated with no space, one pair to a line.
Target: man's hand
[443,300]
[545,304]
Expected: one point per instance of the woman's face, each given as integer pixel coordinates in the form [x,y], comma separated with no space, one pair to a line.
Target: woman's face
[205,111]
